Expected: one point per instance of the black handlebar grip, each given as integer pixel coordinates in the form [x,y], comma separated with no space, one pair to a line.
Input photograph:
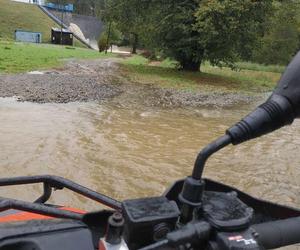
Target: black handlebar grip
[279,233]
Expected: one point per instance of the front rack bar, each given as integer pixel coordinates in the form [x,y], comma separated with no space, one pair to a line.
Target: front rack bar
[6,204]
[57,182]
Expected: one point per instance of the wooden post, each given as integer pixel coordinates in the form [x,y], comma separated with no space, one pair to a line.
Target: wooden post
[108,37]
[62,23]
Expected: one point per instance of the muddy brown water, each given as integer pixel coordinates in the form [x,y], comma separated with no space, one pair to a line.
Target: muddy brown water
[129,153]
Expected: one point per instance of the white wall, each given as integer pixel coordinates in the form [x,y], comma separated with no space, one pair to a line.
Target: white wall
[41,2]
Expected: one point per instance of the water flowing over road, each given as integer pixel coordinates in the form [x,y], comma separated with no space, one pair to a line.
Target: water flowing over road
[87,123]
[127,153]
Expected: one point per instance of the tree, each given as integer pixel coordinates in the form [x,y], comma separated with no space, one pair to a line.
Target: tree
[229,29]
[111,35]
[128,17]
[282,40]
[219,31]
[174,31]
[191,31]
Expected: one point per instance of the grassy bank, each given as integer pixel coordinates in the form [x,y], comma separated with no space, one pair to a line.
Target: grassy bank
[253,78]
[19,57]
[15,15]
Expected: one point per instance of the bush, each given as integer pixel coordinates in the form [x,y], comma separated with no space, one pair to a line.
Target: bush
[102,43]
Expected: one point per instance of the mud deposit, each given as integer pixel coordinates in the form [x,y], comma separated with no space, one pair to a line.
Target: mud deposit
[102,80]
[75,82]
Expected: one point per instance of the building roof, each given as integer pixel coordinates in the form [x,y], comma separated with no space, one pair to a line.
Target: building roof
[27,31]
[63,30]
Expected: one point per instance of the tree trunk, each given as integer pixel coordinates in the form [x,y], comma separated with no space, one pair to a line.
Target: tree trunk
[135,43]
[191,65]
[108,38]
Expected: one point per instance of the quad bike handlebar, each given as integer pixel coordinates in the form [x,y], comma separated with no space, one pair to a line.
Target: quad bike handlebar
[279,233]
[269,235]
[203,232]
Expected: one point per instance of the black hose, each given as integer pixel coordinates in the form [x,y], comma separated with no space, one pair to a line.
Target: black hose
[207,152]
[279,233]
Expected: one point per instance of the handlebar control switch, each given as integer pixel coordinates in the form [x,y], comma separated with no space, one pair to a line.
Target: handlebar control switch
[148,220]
[242,240]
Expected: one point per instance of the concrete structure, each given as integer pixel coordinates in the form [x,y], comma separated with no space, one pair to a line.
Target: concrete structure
[28,36]
[88,28]
[58,21]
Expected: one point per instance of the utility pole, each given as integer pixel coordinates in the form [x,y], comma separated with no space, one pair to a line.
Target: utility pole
[108,37]
[62,22]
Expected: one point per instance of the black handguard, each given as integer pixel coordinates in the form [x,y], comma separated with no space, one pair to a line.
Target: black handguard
[279,110]
[272,115]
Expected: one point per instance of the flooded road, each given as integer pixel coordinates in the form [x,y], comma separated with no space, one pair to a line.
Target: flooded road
[128,153]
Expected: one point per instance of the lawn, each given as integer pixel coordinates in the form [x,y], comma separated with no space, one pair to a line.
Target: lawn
[15,15]
[249,77]
[21,57]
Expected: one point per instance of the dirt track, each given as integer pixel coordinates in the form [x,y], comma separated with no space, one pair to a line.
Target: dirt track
[75,82]
[100,80]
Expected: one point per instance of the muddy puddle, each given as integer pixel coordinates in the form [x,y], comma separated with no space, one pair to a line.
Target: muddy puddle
[127,153]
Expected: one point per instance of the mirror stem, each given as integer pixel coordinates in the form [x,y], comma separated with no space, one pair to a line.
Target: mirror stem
[206,153]
[193,187]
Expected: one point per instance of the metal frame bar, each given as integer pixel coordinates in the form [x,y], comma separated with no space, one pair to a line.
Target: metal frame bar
[49,182]
[6,204]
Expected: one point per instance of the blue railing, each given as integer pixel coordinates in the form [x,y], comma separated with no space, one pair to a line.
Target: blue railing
[67,8]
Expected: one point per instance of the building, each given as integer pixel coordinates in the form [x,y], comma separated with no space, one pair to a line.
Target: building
[28,36]
[57,33]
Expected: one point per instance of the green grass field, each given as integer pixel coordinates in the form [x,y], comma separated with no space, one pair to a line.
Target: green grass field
[249,78]
[21,57]
[14,15]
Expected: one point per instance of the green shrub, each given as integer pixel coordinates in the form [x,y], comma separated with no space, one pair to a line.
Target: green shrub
[102,43]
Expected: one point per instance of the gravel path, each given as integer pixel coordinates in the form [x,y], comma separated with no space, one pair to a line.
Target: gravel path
[76,82]
[100,80]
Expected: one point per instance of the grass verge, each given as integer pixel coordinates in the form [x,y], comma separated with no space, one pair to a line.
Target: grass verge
[215,79]
[15,15]
[21,57]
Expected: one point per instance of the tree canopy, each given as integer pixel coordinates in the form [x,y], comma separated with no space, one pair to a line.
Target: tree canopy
[192,31]
[282,39]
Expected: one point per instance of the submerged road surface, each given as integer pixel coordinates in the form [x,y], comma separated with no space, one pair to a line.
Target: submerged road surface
[130,141]
[127,153]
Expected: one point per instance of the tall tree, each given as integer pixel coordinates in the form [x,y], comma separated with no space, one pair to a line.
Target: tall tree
[219,31]
[128,17]
[282,40]
[228,30]
[191,31]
